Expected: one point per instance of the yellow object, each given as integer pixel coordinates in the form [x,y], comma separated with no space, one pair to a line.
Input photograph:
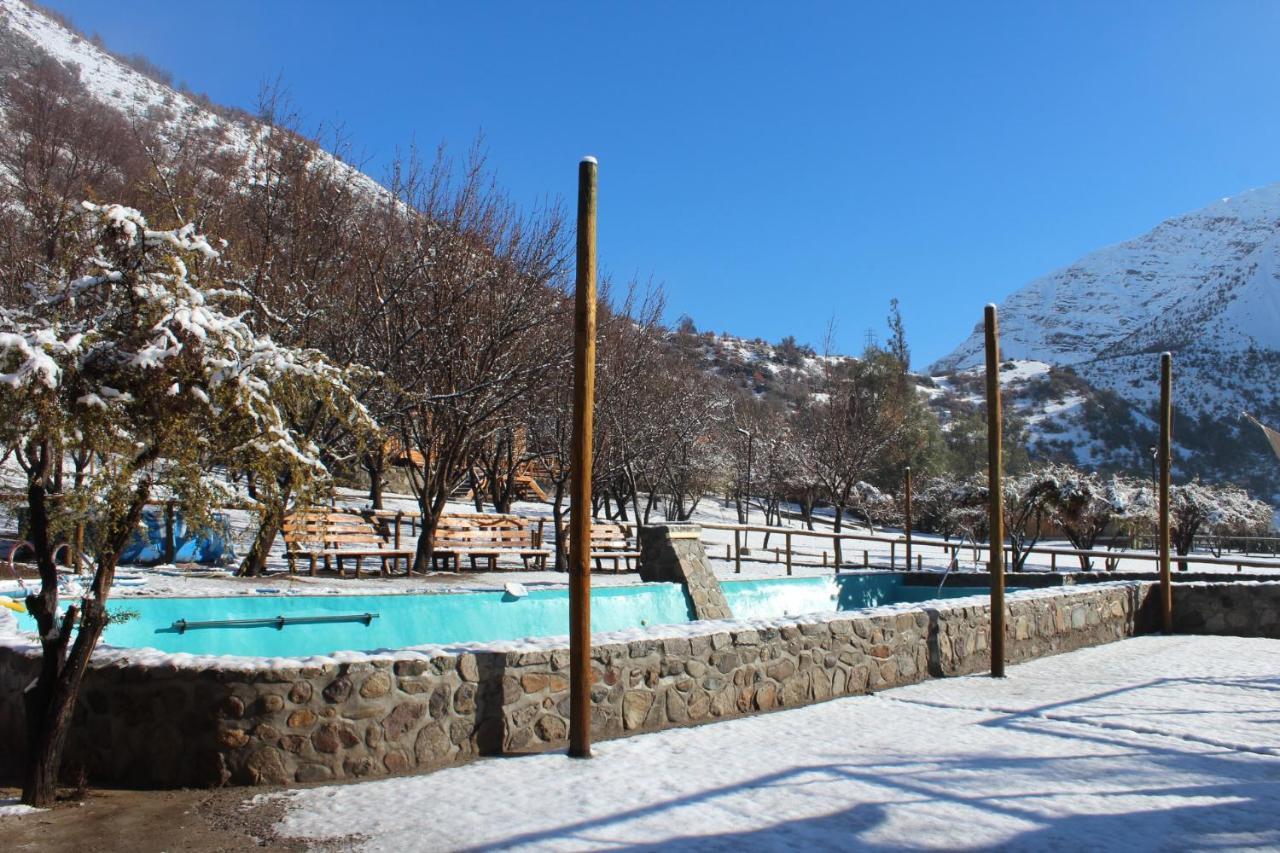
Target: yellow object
[16,606]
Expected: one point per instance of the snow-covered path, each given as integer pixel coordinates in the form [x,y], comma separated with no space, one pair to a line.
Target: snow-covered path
[1156,743]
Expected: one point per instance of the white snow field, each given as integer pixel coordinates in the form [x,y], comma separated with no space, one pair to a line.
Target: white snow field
[1155,743]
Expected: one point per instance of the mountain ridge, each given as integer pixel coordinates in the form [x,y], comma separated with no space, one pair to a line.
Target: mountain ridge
[1204,285]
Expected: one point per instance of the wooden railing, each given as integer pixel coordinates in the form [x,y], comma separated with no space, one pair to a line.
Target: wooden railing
[734,551]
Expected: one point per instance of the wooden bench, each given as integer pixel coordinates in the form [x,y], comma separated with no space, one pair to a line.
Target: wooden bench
[611,541]
[333,535]
[486,537]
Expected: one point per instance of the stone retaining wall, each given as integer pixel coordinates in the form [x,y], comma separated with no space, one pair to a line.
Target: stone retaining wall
[145,725]
[1235,609]
[651,684]
[168,725]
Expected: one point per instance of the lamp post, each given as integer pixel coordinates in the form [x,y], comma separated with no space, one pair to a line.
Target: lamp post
[1155,453]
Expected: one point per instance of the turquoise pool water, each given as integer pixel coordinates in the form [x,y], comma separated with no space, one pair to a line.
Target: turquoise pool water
[411,620]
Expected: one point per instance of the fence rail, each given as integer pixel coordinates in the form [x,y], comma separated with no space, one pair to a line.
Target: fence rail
[736,550]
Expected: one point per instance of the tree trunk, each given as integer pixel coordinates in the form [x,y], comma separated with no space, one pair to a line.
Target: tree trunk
[269,525]
[373,465]
[426,548]
[1182,548]
[50,702]
[1079,542]
[557,517]
[836,527]
[255,562]
[477,494]
[806,508]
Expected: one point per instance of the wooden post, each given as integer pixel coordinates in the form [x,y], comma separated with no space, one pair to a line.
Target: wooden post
[584,391]
[737,553]
[788,553]
[919,562]
[1163,461]
[893,555]
[995,486]
[399,516]
[906,488]
[866,559]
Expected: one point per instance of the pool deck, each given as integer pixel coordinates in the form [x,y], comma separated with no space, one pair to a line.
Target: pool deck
[1152,743]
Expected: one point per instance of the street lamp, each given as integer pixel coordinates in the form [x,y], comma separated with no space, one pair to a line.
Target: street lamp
[749,436]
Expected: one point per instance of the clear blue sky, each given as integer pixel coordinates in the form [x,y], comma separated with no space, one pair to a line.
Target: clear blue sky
[776,165]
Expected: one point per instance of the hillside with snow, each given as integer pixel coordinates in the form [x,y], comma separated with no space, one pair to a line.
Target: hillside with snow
[28,34]
[1205,286]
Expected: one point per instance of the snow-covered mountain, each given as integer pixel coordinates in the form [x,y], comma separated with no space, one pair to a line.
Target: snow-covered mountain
[1205,286]
[28,32]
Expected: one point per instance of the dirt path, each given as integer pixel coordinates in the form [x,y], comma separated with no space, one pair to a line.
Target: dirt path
[145,821]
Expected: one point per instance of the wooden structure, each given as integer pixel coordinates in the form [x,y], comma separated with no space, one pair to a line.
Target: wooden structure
[1165,457]
[584,397]
[525,484]
[333,535]
[611,541]
[951,551]
[486,538]
[995,490]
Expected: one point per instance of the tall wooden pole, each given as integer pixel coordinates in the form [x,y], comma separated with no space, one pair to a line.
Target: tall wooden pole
[1165,454]
[995,502]
[906,493]
[584,392]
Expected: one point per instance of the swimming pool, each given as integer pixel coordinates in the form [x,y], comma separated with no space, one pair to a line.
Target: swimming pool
[290,626]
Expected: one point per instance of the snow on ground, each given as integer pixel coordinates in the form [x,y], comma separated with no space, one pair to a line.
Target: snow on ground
[1155,743]
[11,807]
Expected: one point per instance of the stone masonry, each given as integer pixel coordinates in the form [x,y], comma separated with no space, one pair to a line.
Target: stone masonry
[673,553]
[1236,609]
[172,724]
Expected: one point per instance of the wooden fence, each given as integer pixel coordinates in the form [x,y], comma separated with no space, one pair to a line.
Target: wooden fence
[739,549]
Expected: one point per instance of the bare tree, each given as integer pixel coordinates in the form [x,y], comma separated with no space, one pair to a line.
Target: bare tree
[844,430]
[471,321]
[1083,505]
